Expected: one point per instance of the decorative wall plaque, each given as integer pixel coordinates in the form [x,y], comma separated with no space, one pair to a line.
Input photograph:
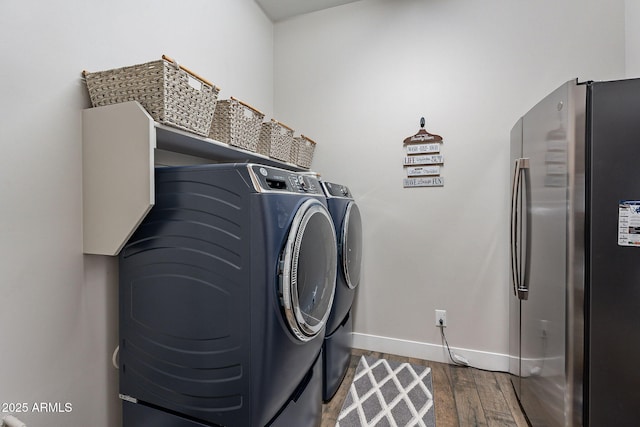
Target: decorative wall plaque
[431,181]
[423,160]
[427,159]
[423,170]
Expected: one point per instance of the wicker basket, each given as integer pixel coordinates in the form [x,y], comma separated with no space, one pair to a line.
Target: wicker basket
[264,145]
[295,148]
[279,137]
[171,94]
[304,148]
[236,123]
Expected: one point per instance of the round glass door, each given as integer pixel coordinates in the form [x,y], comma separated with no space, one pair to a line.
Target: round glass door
[352,245]
[309,270]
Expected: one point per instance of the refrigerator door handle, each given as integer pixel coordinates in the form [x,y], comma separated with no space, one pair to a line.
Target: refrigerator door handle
[515,194]
[523,290]
[521,170]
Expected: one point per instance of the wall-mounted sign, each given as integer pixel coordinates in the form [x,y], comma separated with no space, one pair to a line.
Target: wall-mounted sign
[423,148]
[421,137]
[420,161]
[423,170]
[428,159]
[432,181]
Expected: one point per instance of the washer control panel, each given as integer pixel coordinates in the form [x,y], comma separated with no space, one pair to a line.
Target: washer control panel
[267,178]
[336,190]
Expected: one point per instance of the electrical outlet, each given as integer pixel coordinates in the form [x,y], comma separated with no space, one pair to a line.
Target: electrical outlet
[441,317]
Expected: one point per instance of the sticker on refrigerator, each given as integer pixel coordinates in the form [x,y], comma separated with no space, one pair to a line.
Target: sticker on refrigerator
[629,223]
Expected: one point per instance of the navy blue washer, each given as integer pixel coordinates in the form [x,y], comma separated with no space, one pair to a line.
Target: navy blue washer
[225,289]
[339,335]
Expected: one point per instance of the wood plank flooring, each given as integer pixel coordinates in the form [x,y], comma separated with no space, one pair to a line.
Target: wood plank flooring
[463,397]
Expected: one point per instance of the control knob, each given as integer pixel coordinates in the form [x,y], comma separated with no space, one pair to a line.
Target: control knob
[301,183]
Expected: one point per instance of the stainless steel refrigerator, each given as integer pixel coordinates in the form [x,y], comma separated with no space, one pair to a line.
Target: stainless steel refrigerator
[575,256]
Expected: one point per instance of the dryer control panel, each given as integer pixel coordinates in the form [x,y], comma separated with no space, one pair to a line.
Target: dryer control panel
[266,178]
[336,190]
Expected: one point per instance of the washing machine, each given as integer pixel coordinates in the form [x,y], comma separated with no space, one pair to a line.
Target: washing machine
[225,289]
[339,331]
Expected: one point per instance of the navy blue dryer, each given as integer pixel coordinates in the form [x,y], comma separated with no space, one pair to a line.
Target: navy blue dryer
[338,340]
[225,289]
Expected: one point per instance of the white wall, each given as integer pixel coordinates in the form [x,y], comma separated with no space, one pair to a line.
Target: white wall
[357,78]
[58,320]
[632,15]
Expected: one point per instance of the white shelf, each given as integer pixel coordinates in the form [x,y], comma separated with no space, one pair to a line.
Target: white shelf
[118,158]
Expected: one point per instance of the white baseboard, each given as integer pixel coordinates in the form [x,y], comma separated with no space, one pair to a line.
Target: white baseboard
[433,352]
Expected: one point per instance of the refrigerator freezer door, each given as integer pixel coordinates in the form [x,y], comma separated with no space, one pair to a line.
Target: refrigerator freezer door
[546,133]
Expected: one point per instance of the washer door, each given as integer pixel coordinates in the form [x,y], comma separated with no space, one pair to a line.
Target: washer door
[309,263]
[351,239]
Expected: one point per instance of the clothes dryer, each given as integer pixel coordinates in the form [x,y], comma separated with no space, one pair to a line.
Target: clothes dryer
[225,289]
[338,340]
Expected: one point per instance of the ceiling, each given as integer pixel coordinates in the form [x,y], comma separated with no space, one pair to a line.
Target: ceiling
[278,10]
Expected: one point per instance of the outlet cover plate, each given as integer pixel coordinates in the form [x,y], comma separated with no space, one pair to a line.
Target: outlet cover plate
[441,314]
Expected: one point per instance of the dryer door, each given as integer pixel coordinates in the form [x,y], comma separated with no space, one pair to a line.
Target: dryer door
[351,239]
[309,263]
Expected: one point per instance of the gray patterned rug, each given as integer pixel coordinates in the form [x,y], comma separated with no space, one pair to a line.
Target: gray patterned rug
[386,393]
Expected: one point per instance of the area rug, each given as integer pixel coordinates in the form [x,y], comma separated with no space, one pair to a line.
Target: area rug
[387,393]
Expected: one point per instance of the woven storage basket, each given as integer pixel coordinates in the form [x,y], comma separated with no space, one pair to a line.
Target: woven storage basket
[304,148]
[264,145]
[279,137]
[295,148]
[236,123]
[171,94]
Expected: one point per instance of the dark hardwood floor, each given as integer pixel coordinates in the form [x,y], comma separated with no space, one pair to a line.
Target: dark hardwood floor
[463,397]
